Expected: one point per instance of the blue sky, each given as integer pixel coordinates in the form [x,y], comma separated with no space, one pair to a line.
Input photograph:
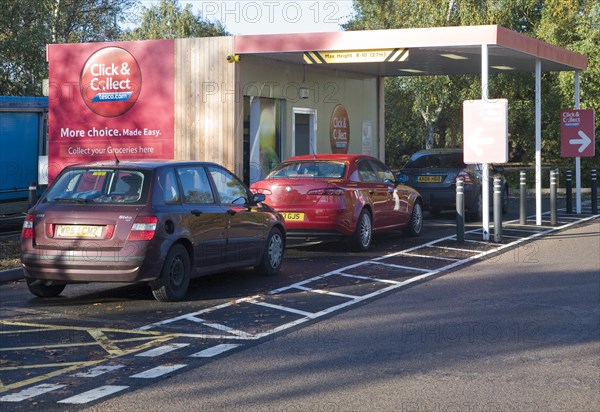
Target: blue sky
[272,16]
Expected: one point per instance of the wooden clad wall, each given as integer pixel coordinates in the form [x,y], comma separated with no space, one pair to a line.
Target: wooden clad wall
[206,104]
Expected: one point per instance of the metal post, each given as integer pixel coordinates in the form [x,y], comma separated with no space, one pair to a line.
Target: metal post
[497,210]
[538,142]
[485,188]
[32,193]
[460,210]
[523,198]
[594,193]
[553,219]
[569,191]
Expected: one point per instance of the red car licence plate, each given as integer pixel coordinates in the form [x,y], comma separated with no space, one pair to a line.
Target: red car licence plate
[293,216]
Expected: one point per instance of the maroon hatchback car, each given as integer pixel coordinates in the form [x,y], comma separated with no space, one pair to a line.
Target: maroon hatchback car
[161,223]
[332,196]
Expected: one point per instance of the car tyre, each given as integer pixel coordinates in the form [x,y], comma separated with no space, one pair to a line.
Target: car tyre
[363,234]
[415,224]
[44,289]
[174,280]
[272,257]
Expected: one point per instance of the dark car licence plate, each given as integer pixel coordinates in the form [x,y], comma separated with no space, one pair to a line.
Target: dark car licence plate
[429,179]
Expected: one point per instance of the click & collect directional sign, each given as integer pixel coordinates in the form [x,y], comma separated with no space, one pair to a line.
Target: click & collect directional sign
[577,133]
[485,131]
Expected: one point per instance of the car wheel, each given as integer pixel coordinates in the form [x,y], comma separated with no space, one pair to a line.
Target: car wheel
[174,280]
[415,224]
[272,257]
[476,213]
[44,289]
[361,239]
[505,201]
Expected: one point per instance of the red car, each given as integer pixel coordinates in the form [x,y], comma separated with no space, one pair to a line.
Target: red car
[160,223]
[332,196]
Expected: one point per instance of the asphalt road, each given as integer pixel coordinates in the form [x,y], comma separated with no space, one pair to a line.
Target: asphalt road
[518,332]
[101,343]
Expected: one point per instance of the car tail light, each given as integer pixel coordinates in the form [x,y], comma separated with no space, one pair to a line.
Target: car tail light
[28,231]
[464,176]
[110,231]
[328,191]
[143,228]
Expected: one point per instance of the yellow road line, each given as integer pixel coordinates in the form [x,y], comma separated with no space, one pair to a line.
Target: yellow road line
[80,328]
[99,335]
[71,345]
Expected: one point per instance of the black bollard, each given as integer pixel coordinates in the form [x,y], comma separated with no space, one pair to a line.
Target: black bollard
[32,193]
[460,210]
[553,190]
[594,192]
[523,199]
[569,191]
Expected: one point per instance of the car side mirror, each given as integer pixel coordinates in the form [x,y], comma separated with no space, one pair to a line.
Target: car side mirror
[258,197]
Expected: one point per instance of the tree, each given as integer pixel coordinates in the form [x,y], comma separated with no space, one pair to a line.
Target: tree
[431,95]
[26,26]
[168,20]
[433,104]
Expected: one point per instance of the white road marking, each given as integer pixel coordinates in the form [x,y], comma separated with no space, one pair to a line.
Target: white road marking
[94,394]
[283,308]
[225,328]
[30,392]
[457,249]
[158,371]
[327,292]
[215,350]
[193,314]
[393,282]
[161,350]
[97,371]
[410,254]
[392,265]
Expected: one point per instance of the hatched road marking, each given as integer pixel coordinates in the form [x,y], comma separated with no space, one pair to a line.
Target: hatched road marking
[153,342]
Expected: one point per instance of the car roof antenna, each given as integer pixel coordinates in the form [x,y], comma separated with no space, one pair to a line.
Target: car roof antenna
[113,152]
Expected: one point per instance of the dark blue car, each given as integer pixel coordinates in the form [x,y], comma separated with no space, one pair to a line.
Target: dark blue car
[434,172]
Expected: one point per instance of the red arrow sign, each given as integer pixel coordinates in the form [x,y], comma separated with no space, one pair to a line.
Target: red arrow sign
[577,133]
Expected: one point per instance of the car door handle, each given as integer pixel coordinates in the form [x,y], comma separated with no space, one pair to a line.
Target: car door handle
[231,212]
[196,212]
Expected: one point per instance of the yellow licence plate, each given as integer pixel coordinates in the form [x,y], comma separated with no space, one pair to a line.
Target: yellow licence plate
[293,216]
[429,179]
[79,231]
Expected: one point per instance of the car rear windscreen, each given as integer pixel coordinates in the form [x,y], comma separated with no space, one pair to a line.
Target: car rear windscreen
[99,186]
[436,160]
[313,169]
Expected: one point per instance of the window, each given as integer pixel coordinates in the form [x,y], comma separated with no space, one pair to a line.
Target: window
[384,174]
[107,186]
[331,170]
[366,173]
[230,189]
[195,185]
[170,188]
